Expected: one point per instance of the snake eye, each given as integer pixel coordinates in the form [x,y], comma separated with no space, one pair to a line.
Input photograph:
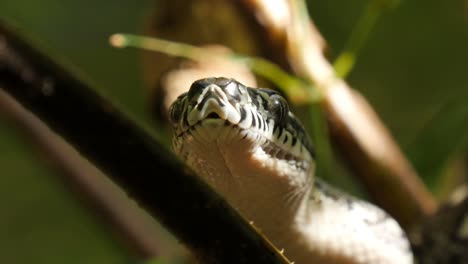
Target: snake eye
[278,108]
[174,113]
[232,90]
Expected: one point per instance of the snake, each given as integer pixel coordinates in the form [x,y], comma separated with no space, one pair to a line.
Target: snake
[251,149]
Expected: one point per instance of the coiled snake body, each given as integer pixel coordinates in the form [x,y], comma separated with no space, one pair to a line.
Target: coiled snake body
[253,151]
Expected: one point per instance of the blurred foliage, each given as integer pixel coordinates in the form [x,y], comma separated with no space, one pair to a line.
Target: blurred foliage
[412,70]
[41,221]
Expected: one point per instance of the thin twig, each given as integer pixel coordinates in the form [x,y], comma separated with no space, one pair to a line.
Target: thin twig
[345,61]
[295,89]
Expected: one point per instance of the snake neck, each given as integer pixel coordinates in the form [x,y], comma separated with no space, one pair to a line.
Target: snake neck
[310,222]
[267,191]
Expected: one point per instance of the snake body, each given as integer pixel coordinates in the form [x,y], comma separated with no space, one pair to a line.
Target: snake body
[253,151]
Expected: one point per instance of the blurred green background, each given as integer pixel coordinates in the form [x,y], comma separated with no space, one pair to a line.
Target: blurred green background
[413,70]
[41,220]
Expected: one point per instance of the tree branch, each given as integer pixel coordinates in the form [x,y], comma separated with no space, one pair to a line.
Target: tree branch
[129,156]
[99,193]
[361,137]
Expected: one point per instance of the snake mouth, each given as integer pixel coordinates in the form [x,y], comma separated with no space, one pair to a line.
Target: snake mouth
[211,122]
[213,118]
[214,128]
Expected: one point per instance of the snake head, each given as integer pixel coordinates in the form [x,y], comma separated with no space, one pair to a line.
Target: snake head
[210,98]
[259,118]
[225,101]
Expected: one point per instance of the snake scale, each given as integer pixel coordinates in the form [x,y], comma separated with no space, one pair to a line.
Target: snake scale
[253,151]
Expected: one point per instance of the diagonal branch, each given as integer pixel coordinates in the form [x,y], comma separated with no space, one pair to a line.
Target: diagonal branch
[99,193]
[360,135]
[129,156]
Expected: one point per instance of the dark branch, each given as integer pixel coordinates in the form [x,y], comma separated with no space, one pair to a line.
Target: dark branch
[96,191]
[129,156]
[443,238]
